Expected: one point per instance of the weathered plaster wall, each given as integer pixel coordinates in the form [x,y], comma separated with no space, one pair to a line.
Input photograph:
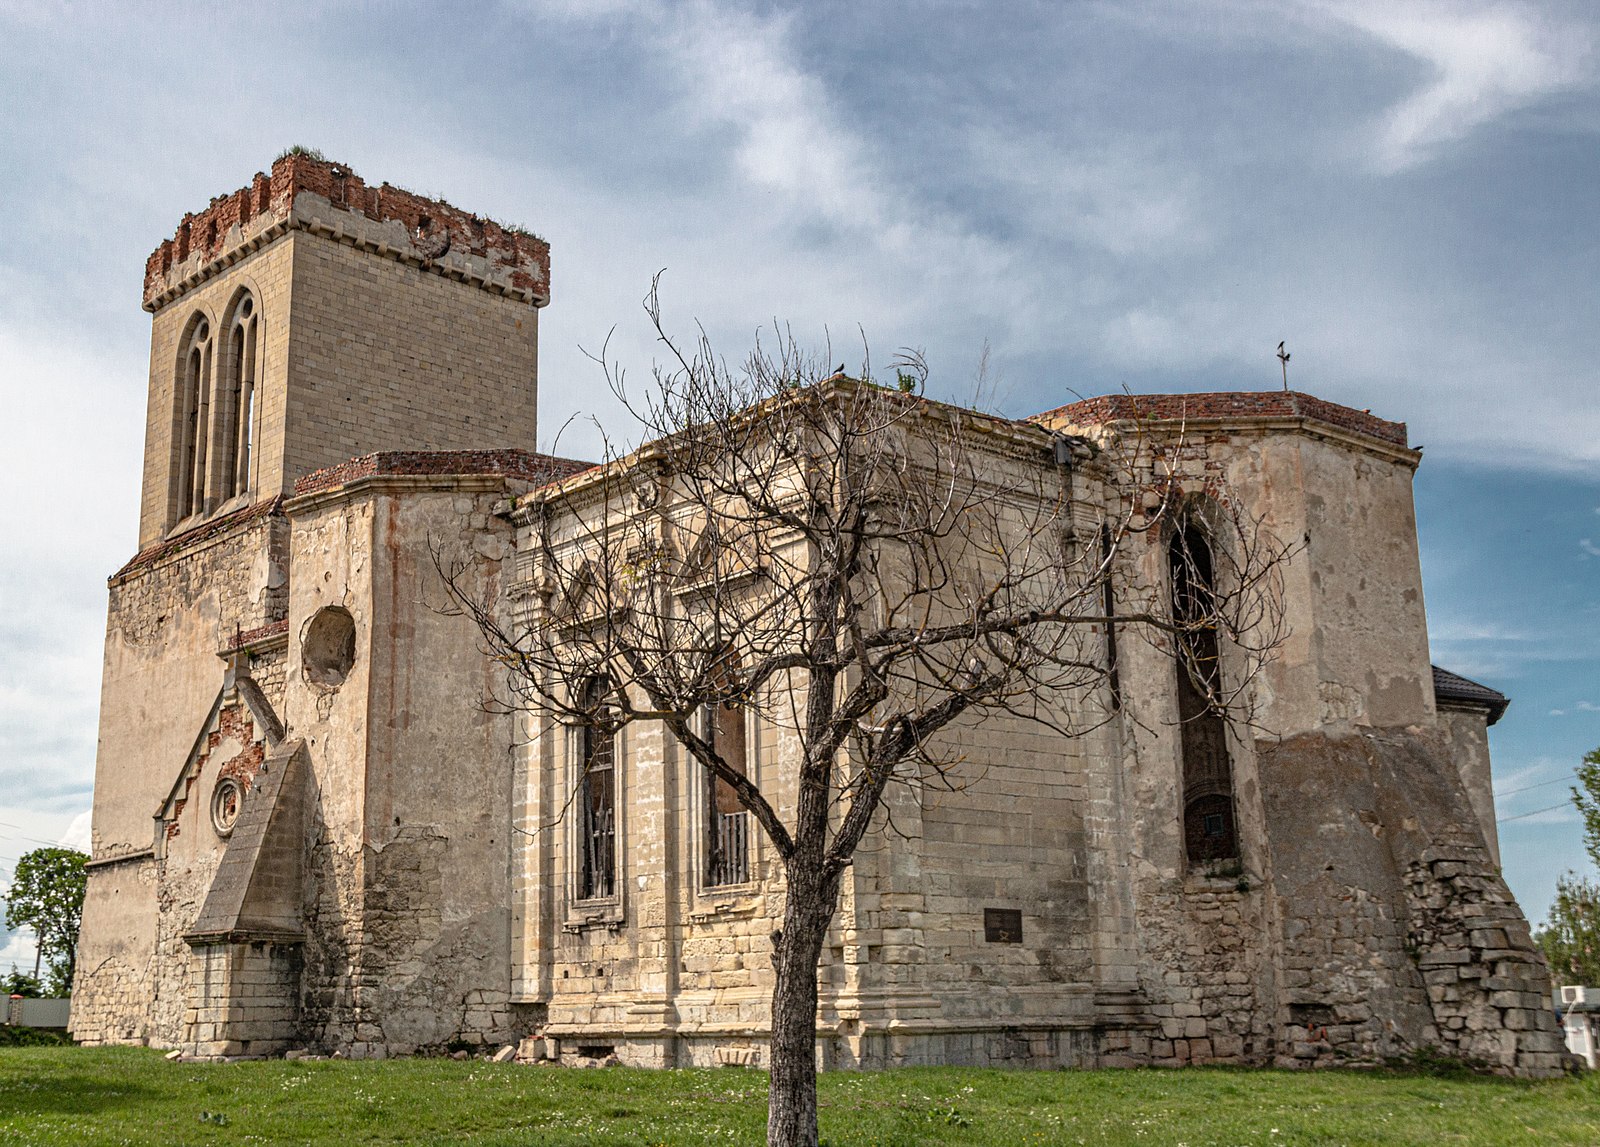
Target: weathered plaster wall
[438,776]
[332,555]
[170,615]
[1401,934]
[115,974]
[168,620]
[409,925]
[1468,728]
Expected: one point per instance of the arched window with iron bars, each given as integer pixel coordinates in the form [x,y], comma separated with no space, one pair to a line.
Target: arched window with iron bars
[1210,828]
[597,794]
[727,820]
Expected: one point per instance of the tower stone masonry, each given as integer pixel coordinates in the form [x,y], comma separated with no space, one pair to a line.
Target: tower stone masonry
[310,831]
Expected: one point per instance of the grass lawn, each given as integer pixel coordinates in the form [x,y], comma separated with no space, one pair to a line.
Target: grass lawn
[133,1095]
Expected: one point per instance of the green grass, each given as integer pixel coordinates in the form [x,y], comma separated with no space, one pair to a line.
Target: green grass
[133,1095]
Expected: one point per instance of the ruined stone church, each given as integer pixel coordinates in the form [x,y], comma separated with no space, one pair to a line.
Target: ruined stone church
[309,832]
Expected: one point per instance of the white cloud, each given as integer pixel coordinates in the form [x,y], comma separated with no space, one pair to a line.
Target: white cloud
[739,72]
[1484,60]
[77,833]
[18,951]
[1510,778]
[1465,630]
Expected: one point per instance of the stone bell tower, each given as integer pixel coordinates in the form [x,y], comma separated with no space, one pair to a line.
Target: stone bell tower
[297,323]
[309,318]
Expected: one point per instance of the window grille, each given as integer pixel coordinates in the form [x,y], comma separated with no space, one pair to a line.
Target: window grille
[729,855]
[728,822]
[598,831]
[1210,831]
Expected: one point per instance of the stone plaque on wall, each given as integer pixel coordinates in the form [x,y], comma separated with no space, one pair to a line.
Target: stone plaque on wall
[1002,925]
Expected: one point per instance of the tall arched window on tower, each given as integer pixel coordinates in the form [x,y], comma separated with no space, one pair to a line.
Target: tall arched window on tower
[236,395]
[193,409]
[1209,826]
[597,794]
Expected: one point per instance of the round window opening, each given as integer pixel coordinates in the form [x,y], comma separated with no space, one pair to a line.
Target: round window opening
[226,801]
[328,647]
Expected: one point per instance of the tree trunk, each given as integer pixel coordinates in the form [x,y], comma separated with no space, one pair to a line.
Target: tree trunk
[792,1092]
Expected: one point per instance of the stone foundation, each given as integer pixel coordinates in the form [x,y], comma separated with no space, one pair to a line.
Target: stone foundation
[245,999]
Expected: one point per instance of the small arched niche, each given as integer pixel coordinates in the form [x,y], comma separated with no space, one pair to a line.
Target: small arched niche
[328,647]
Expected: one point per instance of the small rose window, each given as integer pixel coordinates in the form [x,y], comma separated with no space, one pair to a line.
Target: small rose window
[226,801]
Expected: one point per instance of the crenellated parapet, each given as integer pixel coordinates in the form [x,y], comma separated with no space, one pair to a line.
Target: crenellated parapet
[307,193]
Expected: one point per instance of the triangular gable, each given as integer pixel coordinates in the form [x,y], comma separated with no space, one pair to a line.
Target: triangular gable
[714,559]
[578,590]
[265,725]
[701,560]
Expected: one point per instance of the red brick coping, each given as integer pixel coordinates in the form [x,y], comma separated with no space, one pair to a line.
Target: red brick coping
[205,232]
[242,639]
[1229,405]
[206,530]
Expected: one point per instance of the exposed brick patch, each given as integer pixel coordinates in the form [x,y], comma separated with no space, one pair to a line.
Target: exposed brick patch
[435,224]
[1232,405]
[236,722]
[248,637]
[536,468]
[201,533]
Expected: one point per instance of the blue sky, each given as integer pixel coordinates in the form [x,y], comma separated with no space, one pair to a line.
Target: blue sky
[1144,195]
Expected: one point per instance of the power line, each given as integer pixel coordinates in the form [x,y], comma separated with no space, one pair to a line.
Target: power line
[1535,812]
[33,840]
[1540,785]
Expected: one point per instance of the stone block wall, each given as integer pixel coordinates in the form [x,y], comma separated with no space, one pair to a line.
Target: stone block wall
[387,356]
[1399,935]
[1487,981]
[268,274]
[243,999]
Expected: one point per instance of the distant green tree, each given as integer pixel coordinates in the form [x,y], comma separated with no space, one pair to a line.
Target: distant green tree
[21,984]
[1587,797]
[1571,937]
[46,895]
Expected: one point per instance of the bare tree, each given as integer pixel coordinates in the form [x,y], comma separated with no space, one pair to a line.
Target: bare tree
[871,572]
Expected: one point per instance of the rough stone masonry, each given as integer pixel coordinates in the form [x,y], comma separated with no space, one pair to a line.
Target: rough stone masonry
[310,833]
